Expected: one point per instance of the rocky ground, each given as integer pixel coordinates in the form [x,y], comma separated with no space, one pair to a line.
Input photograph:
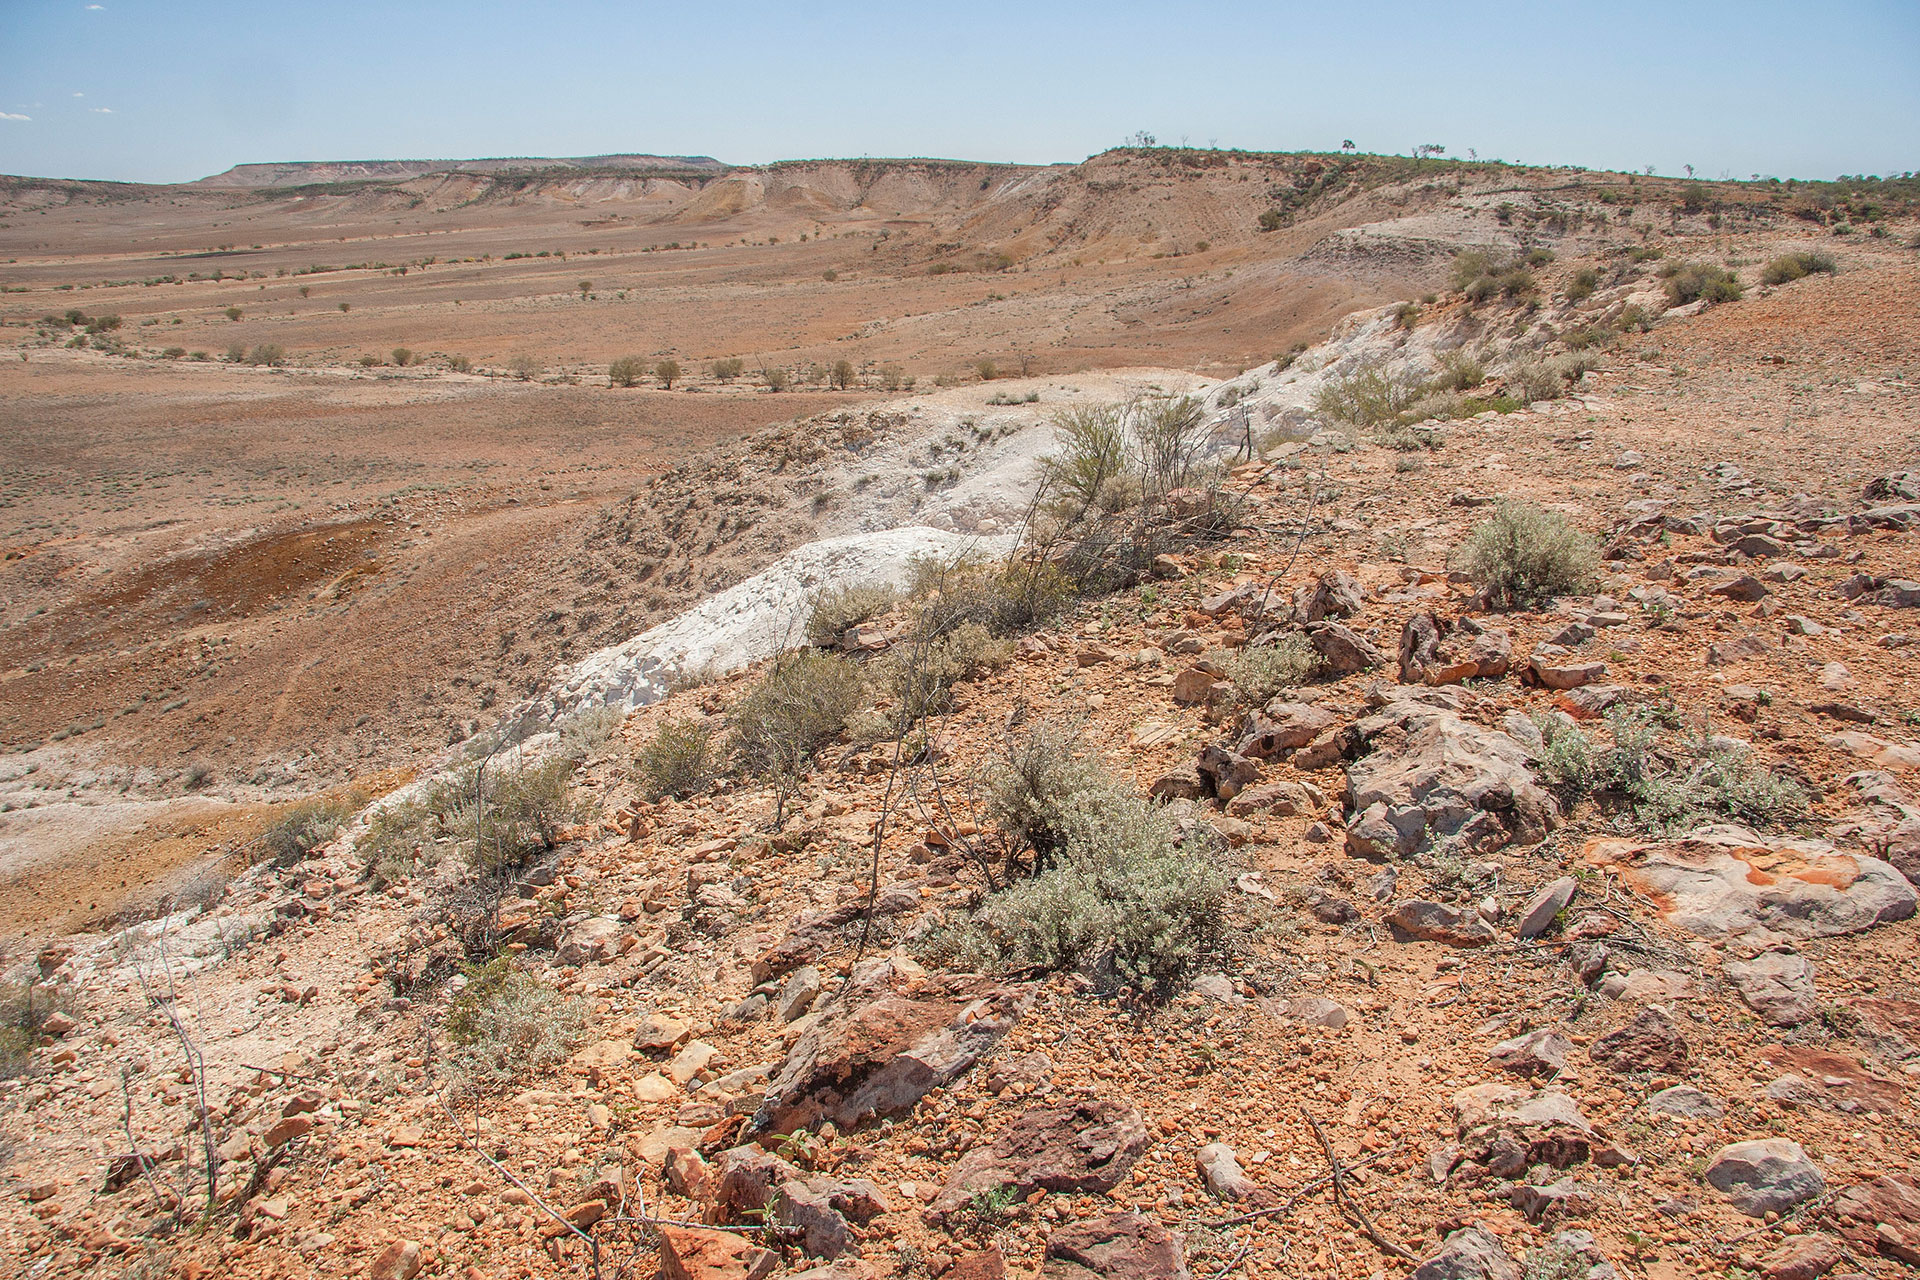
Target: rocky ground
[1465,1022]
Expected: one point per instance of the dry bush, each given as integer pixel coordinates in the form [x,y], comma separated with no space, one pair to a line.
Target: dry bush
[681,759]
[505,1024]
[728,369]
[800,705]
[1369,397]
[626,371]
[1524,555]
[1093,454]
[832,610]
[1261,672]
[525,367]
[1687,281]
[1794,266]
[305,827]
[1460,370]
[917,675]
[1118,893]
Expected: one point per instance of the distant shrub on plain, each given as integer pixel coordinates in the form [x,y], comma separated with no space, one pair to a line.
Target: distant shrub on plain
[728,369]
[627,371]
[525,367]
[1689,281]
[1797,265]
[402,357]
[775,378]
[668,371]
[842,375]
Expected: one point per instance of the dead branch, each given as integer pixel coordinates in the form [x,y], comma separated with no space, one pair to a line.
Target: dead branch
[1346,1201]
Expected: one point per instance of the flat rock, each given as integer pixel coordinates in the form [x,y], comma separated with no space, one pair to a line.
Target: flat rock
[1805,1257]
[1723,881]
[1120,1246]
[1436,922]
[1220,1170]
[885,1055]
[1768,1175]
[1777,985]
[1469,1254]
[695,1253]
[1549,673]
[1686,1102]
[1545,905]
[1650,1042]
[1431,775]
[1084,1144]
[1542,1051]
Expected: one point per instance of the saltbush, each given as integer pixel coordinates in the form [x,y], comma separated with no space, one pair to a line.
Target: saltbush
[681,759]
[1523,555]
[1793,266]
[1687,281]
[505,1023]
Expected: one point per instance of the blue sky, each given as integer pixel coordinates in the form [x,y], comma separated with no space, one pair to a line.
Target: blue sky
[168,90]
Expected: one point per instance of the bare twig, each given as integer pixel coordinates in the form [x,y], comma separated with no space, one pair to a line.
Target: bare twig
[1346,1201]
[593,1245]
[170,1199]
[1318,1184]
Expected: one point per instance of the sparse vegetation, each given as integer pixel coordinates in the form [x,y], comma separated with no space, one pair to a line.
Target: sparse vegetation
[525,367]
[1688,281]
[505,1024]
[305,827]
[1369,397]
[267,353]
[626,371]
[1661,785]
[1524,555]
[681,759]
[402,357]
[728,369]
[1113,891]
[1261,672]
[799,705]
[832,610]
[668,371]
[842,374]
[1582,284]
[1797,265]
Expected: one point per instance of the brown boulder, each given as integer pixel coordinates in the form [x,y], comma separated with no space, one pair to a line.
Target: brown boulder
[1084,1144]
[885,1055]
[1120,1246]
[694,1253]
[1651,1042]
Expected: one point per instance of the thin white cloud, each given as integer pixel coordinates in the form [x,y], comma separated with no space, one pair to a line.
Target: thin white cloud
[96,7]
[79,95]
[8,115]
[101,111]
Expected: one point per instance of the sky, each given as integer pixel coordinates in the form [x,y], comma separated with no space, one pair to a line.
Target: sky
[171,90]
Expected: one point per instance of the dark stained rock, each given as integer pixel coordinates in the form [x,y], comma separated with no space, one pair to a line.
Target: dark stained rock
[1344,650]
[884,1055]
[1469,1254]
[1651,1042]
[1884,1215]
[1120,1246]
[1430,775]
[1084,1144]
[1279,728]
